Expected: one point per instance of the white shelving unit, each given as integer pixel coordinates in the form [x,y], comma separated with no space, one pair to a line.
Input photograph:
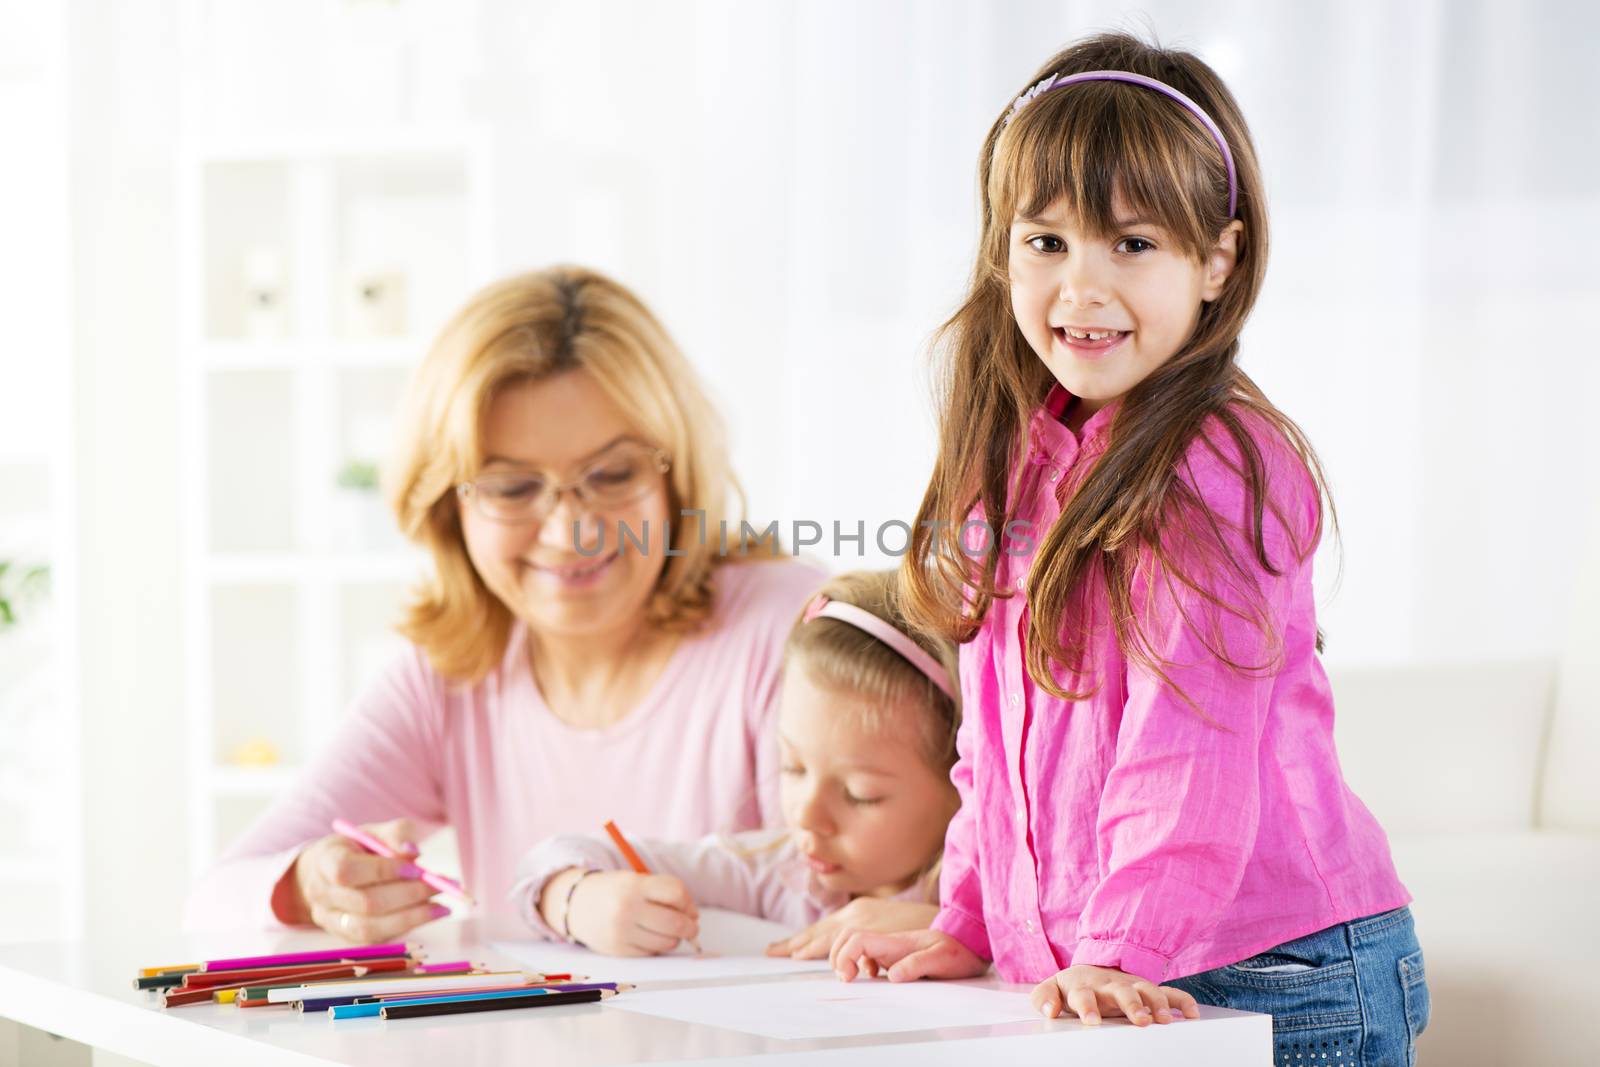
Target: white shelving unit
[314,270]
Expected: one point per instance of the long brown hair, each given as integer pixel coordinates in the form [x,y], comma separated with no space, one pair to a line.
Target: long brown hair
[1082,144]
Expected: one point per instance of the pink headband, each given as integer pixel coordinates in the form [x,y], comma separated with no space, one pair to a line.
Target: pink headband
[861,619]
[1056,81]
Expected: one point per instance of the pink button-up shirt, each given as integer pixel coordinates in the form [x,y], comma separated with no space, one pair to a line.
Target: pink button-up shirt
[1124,830]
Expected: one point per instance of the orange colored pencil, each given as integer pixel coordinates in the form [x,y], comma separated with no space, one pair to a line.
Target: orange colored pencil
[639,866]
[626,849]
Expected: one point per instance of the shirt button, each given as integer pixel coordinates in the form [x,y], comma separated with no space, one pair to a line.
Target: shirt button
[1016,700]
[1022,814]
[1054,474]
[1029,926]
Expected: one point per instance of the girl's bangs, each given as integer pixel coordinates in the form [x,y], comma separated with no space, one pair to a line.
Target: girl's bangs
[1086,145]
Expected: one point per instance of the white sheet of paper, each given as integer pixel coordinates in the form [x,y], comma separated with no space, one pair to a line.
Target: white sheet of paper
[732,946]
[826,1007]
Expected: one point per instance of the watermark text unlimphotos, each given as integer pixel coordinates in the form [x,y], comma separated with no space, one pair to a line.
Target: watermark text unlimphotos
[975,537]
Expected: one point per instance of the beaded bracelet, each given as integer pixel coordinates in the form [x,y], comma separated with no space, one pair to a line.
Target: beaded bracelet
[566,909]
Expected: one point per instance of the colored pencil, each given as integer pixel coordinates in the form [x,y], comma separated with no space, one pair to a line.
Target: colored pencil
[312,991]
[261,995]
[256,996]
[639,866]
[369,1007]
[527,1000]
[171,968]
[372,1009]
[373,844]
[161,981]
[445,972]
[458,965]
[330,955]
[175,998]
[547,987]
[412,974]
[316,1004]
[551,982]
[263,975]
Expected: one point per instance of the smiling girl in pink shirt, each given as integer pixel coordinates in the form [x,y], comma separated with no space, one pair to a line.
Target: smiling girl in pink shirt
[1152,813]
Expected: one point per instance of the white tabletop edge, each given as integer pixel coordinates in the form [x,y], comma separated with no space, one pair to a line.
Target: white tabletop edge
[131,1030]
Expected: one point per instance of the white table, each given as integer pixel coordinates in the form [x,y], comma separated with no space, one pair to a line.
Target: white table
[84,993]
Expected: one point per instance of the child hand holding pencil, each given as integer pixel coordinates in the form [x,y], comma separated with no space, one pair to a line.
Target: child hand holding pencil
[621,913]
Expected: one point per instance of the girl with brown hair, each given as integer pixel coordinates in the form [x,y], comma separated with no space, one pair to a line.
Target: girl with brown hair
[1150,792]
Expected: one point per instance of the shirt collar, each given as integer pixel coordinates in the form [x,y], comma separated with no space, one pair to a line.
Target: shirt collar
[1052,439]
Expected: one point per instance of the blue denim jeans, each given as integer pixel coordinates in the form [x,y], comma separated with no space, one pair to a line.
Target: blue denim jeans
[1353,995]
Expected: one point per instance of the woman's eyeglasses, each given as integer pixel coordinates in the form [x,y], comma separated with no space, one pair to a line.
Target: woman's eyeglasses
[621,476]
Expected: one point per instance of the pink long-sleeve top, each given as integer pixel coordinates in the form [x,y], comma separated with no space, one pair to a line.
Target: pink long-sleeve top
[758,872]
[1124,830]
[697,755]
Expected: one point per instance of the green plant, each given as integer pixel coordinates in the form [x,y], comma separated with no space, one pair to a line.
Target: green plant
[358,474]
[17,584]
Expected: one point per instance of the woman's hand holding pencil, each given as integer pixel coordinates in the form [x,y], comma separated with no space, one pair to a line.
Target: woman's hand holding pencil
[355,893]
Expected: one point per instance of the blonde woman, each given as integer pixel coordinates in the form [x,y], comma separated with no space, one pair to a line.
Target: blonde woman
[585,648]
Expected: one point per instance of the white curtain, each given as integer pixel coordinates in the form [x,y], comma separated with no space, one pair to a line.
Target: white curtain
[793,186]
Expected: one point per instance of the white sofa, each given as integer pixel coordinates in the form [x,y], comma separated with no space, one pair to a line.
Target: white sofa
[1487,778]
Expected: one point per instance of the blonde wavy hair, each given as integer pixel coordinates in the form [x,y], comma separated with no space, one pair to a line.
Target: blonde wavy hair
[528,328]
[840,656]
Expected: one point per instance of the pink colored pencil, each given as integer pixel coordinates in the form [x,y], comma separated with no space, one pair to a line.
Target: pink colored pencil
[330,955]
[434,968]
[372,844]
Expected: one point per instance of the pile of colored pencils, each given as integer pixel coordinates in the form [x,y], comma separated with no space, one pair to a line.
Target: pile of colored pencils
[390,981]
